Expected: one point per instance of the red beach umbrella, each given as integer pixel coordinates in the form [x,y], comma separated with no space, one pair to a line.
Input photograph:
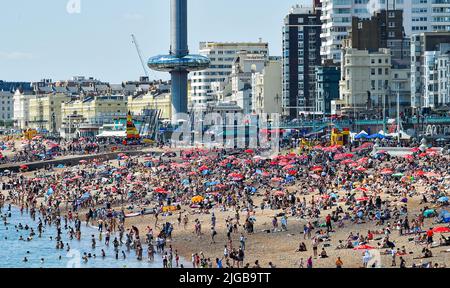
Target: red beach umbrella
[441,229]
[317,169]
[386,171]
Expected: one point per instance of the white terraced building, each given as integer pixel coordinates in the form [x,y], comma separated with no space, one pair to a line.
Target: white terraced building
[418,16]
[222,56]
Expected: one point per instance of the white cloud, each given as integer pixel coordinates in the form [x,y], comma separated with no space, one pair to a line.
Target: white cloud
[133,16]
[15,55]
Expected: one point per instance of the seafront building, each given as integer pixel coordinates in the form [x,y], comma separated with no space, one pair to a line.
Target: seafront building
[301,56]
[418,16]
[267,88]
[327,87]
[244,66]
[222,56]
[429,52]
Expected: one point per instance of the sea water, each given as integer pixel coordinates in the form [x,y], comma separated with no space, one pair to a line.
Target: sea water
[13,250]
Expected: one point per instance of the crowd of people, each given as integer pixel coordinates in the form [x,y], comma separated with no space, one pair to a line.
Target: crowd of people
[332,191]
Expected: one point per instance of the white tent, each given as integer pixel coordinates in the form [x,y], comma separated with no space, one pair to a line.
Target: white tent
[403,135]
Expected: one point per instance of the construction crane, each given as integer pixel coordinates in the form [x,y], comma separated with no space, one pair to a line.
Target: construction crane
[140,54]
[153,121]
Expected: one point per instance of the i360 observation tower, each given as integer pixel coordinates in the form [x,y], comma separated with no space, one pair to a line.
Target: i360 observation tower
[179,62]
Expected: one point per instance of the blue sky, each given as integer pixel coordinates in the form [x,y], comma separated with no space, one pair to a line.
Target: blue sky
[40,39]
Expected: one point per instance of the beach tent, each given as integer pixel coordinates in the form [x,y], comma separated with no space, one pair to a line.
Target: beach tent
[429,213]
[403,135]
[443,199]
[376,136]
[362,135]
[444,216]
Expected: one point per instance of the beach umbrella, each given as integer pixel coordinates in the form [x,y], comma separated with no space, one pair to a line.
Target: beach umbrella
[363,160]
[363,247]
[265,174]
[397,175]
[50,191]
[317,169]
[83,161]
[85,196]
[235,176]
[279,193]
[361,169]
[441,229]
[24,167]
[431,174]
[292,172]
[364,189]
[409,157]
[419,173]
[421,155]
[192,173]
[443,199]
[161,190]
[289,167]
[366,145]
[347,161]
[203,168]
[249,151]
[276,179]
[197,199]
[386,171]
[213,183]
[362,199]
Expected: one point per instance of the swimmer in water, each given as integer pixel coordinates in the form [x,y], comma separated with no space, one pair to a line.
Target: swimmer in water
[123,255]
[103,253]
[21,238]
[25,259]
[42,260]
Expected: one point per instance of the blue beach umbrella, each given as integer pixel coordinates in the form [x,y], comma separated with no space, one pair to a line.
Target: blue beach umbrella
[50,191]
